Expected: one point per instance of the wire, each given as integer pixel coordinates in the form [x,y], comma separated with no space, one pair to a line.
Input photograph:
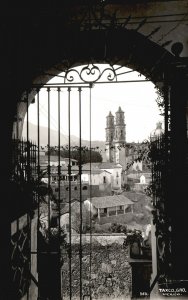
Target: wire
[172,29]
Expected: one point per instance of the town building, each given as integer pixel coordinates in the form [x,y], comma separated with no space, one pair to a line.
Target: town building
[144,181]
[104,174]
[68,191]
[112,205]
[54,161]
[96,177]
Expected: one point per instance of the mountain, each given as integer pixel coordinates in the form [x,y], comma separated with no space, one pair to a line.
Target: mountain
[54,137]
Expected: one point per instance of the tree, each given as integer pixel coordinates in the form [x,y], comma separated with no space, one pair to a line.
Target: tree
[83,154]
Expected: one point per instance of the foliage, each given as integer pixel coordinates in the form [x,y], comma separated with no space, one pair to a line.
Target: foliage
[83,154]
[118,228]
[134,236]
[86,156]
[126,186]
[140,152]
[160,100]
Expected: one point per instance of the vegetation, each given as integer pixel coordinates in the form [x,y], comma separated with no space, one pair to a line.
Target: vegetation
[83,154]
[134,236]
[160,100]
[118,228]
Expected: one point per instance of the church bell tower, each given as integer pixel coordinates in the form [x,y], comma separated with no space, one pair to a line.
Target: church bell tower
[119,138]
[109,137]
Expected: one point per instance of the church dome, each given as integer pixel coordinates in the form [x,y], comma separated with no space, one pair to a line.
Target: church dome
[157,131]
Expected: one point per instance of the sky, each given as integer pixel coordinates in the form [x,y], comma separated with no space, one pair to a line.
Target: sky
[137,100]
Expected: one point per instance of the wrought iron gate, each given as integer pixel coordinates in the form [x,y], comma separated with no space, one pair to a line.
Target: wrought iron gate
[55,196]
[56,185]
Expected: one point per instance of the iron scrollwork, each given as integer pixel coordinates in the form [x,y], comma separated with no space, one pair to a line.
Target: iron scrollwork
[91,74]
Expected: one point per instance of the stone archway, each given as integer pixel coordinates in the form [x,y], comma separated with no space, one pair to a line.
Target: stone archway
[39,57]
[116,46]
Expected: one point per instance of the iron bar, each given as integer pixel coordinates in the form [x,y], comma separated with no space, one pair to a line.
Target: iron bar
[159,16]
[38,176]
[49,168]
[34,279]
[59,179]
[126,72]
[28,180]
[85,85]
[29,246]
[80,175]
[108,23]
[17,122]
[154,282]
[62,85]
[27,143]
[90,191]
[69,173]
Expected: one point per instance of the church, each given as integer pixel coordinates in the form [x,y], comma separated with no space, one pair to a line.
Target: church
[116,138]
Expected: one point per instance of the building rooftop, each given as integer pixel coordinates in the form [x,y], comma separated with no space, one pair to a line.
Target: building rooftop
[101,166]
[157,131]
[67,159]
[109,165]
[110,201]
[55,158]
[110,114]
[92,171]
[92,166]
[119,109]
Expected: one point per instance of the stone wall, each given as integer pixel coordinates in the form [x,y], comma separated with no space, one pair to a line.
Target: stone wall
[75,190]
[106,272]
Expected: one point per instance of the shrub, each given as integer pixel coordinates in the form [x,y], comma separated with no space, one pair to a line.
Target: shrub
[118,228]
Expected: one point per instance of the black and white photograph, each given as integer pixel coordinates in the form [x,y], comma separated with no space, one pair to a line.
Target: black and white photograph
[95,113]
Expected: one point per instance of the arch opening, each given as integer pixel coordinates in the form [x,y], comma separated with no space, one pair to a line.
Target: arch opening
[81,41]
[65,183]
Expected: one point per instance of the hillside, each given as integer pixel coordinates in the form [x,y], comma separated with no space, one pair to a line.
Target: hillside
[63,138]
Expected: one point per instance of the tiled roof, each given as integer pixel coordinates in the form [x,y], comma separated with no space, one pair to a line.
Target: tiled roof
[109,165]
[55,158]
[67,159]
[92,166]
[101,166]
[92,171]
[110,201]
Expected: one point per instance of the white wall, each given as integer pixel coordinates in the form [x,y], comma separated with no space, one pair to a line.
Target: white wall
[97,179]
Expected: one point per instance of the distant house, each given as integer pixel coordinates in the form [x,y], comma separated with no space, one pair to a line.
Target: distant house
[66,191]
[144,181]
[54,161]
[103,174]
[112,205]
[116,171]
[94,176]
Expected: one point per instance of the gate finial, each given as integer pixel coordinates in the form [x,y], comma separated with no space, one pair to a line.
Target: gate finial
[177,49]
